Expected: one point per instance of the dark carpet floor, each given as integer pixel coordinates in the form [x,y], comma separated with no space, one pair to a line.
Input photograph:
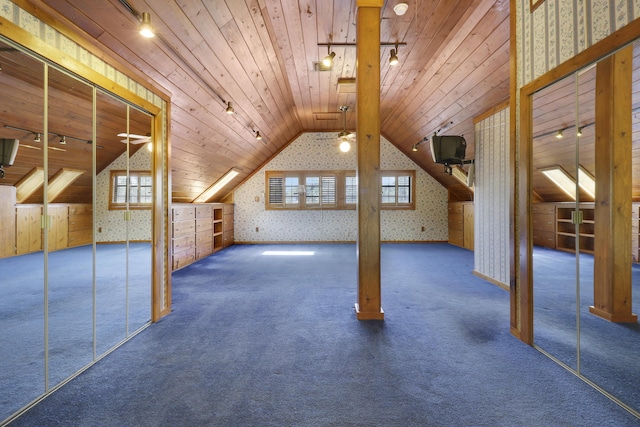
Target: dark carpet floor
[259,340]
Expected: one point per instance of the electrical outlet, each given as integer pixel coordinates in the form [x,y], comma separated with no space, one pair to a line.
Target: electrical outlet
[422,228]
[257,229]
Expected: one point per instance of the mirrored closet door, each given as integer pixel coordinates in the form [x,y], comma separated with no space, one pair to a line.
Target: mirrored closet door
[76,219]
[585,186]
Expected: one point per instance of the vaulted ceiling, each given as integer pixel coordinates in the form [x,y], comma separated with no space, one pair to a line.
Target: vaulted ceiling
[262,55]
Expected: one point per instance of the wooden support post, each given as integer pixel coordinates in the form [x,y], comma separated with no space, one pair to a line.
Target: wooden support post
[612,259]
[369,305]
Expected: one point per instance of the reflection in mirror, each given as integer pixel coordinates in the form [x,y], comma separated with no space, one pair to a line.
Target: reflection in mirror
[141,191]
[554,283]
[69,238]
[123,221]
[22,363]
[610,351]
[604,352]
[110,227]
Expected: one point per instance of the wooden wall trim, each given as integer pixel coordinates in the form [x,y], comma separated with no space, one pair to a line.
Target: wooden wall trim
[513,169]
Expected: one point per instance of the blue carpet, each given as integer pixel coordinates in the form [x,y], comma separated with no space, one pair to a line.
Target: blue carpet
[258,340]
[609,352]
[71,313]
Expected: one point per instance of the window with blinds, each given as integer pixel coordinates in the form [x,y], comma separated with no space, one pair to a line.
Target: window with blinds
[334,190]
[133,190]
[397,189]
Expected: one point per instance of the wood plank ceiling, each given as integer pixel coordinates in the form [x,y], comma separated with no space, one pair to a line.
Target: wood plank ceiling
[260,56]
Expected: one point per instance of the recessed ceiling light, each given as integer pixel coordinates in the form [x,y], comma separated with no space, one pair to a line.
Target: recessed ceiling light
[400,9]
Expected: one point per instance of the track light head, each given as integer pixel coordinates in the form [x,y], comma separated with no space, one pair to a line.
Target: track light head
[414,147]
[229,109]
[579,132]
[37,138]
[146,30]
[63,140]
[393,58]
[559,135]
[258,136]
[328,60]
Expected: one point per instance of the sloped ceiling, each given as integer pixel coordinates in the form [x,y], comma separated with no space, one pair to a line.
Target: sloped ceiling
[259,55]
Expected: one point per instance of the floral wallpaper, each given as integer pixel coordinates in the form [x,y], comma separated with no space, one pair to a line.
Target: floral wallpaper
[319,151]
[110,226]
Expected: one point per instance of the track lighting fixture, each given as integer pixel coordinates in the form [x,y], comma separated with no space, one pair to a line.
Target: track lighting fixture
[258,136]
[146,30]
[63,139]
[579,132]
[328,60]
[414,147]
[393,58]
[229,109]
[559,135]
[37,138]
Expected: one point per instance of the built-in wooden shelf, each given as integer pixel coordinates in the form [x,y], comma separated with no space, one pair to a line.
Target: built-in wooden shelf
[199,230]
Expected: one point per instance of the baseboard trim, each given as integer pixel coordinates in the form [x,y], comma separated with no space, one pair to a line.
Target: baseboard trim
[490,280]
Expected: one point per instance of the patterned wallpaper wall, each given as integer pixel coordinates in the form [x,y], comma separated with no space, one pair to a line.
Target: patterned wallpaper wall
[491,211]
[319,151]
[560,29]
[111,223]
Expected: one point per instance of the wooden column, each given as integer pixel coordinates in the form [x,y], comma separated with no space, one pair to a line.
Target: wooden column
[369,305]
[612,260]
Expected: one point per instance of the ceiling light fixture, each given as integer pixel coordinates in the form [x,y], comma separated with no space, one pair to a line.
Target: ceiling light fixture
[344,136]
[559,135]
[229,109]
[400,9]
[328,60]
[63,139]
[37,138]
[146,30]
[258,136]
[415,146]
[393,58]
[579,132]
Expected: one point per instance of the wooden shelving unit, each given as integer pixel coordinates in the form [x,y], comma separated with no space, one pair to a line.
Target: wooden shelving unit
[553,227]
[566,229]
[199,230]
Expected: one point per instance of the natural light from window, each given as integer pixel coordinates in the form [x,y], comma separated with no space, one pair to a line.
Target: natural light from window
[562,179]
[288,253]
[587,182]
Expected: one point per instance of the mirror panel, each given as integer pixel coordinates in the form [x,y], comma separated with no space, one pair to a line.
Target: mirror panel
[22,322]
[603,352]
[609,351]
[554,259]
[70,254]
[140,226]
[111,227]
